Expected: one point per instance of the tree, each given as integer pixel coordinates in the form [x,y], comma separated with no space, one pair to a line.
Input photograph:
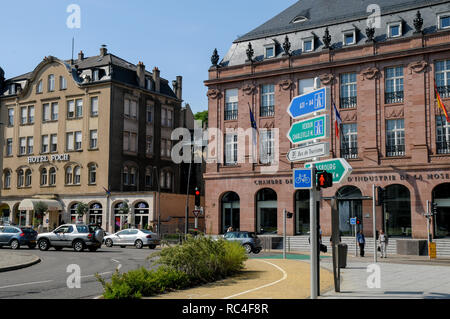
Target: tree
[82,209]
[202,116]
[40,209]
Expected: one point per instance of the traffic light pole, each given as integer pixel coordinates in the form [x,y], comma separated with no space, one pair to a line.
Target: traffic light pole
[314,235]
[374,213]
[284,233]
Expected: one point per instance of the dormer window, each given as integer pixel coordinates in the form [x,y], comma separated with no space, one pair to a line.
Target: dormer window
[350,37]
[444,21]
[269,51]
[148,84]
[308,44]
[95,75]
[394,29]
[299,19]
[12,89]
[39,87]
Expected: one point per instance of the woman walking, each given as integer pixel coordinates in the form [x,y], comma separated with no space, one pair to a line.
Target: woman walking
[384,241]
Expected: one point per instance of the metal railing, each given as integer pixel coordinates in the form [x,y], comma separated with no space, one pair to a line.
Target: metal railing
[267,111]
[395,150]
[443,147]
[349,153]
[349,102]
[394,97]
[231,115]
[444,91]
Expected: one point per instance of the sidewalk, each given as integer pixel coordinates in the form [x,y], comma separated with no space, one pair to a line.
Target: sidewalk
[13,260]
[261,279]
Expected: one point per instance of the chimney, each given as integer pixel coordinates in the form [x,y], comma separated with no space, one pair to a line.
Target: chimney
[103,50]
[140,71]
[81,56]
[156,79]
[179,88]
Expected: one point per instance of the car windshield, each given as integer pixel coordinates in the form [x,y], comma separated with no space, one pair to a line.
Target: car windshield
[83,229]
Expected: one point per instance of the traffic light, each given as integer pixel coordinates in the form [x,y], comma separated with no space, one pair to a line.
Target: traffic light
[324,180]
[380,196]
[197,197]
[289,215]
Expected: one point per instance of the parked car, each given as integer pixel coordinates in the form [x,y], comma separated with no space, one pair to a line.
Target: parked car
[133,237]
[15,237]
[76,236]
[248,240]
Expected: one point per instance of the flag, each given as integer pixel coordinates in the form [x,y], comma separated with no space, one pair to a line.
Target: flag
[252,119]
[255,128]
[441,104]
[338,121]
[108,192]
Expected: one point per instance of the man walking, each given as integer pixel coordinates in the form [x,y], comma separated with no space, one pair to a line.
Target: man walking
[362,242]
[384,241]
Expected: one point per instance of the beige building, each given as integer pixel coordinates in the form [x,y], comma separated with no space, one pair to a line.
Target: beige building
[94,130]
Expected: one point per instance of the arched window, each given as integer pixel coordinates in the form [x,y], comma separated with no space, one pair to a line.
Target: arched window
[74,215]
[28,178]
[350,206]
[96,214]
[7,180]
[92,174]
[20,178]
[141,215]
[77,175]
[267,211]
[133,176]
[397,220]
[44,177]
[121,215]
[52,179]
[231,212]
[69,175]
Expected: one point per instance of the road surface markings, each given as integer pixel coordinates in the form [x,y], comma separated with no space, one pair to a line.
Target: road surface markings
[27,284]
[265,286]
[116,261]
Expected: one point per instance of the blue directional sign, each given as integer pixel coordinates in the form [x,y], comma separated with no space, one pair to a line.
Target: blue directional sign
[303,179]
[310,103]
[353,221]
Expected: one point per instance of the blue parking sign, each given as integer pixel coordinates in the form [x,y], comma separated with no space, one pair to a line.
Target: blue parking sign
[303,179]
[353,221]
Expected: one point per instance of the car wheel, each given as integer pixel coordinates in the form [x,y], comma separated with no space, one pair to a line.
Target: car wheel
[78,246]
[44,245]
[248,248]
[109,243]
[139,244]
[152,246]
[92,249]
[15,244]
[257,251]
[32,246]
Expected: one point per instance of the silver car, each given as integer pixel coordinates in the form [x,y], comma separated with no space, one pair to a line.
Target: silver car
[133,237]
[74,236]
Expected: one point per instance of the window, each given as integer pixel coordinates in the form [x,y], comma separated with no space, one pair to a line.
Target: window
[93,139]
[394,30]
[92,174]
[20,178]
[442,135]
[95,75]
[7,183]
[267,147]
[125,175]
[12,89]
[149,114]
[30,145]
[163,147]
[149,145]
[148,84]
[267,100]
[94,106]
[133,109]
[44,148]
[395,134]
[54,111]
[349,141]
[22,146]
[231,105]
[168,180]
[30,114]
[126,108]
[133,142]
[46,112]
[53,143]
[162,180]
[44,177]
[269,51]
[132,180]
[69,175]
[163,117]
[10,117]
[78,141]
[71,109]
[231,148]
[62,83]
[444,21]
[126,141]
[443,78]
[148,177]
[299,19]
[52,180]
[9,147]
[51,83]
[169,118]
[169,148]
[308,44]
[77,175]
[69,142]
[130,142]
[306,86]
[28,178]
[350,37]
[78,108]
[39,87]
[23,115]
[348,91]
[394,85]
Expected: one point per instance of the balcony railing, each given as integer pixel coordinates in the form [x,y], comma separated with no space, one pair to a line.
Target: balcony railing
[444,91]
[443,147]
[394,97]
[396,150]
[349,153]
[231,115]
[349,102]
[267,111]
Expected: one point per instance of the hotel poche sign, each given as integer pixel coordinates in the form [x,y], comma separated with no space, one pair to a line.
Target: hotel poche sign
[46,158]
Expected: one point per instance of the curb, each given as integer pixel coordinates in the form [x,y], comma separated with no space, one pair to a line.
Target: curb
[21,266]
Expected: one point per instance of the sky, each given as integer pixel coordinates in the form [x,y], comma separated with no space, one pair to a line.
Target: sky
[177,36]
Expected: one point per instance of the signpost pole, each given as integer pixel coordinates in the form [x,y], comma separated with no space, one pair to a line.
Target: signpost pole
[428,228]
[284,233]
[313,236]
[374,212]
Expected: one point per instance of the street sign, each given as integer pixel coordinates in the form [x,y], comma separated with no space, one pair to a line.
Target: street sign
[353,221]
[310,103]
[304,153]
[338,167]
[303,179]
[308,130]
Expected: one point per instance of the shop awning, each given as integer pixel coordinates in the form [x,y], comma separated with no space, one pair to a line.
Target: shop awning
[29,204]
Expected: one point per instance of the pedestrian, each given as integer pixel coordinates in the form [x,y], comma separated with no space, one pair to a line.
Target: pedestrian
[361,242]
[230,229]
[384,242]
[40,228]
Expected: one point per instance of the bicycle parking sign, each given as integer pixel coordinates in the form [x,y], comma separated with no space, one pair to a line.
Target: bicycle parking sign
[303,179]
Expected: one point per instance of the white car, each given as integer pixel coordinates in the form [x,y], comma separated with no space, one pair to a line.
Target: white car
[133,237]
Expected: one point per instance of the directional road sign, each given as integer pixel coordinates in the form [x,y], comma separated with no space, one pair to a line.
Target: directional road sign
[308,130]
[304,153]
[310,103]
[353,221]
[303,178]
[338,167]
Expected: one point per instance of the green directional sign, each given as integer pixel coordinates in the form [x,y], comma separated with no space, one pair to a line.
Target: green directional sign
[312,129]
[339,167]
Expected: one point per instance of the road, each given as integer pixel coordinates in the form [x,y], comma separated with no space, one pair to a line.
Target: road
[48,279]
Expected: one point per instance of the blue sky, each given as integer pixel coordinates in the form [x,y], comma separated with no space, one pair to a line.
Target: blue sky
[178,36]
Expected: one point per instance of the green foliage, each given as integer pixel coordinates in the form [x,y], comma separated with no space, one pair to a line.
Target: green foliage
[124,208]
[82,209]
[40,208]
[202,116]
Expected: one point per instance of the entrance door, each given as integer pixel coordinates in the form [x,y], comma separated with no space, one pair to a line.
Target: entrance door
[267,212]
[231,212]
[441,197]
[350,206]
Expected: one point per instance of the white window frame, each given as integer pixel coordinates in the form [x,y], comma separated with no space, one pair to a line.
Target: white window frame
[51,83]
[78,145]
[40,87]
[70,139]
[46,109]
[30,145]
[92,171]
[78,108]
[309,39]
[267,146]
[71,109]
[62,83]
[231,149]
[394,24]
[94,106]
[347,32]
[45,144]
[54,115]
[53,142]
[93,139]
[22,146]
[9,147]
[11,116]
[268,47]
[149,114]
[439,19]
